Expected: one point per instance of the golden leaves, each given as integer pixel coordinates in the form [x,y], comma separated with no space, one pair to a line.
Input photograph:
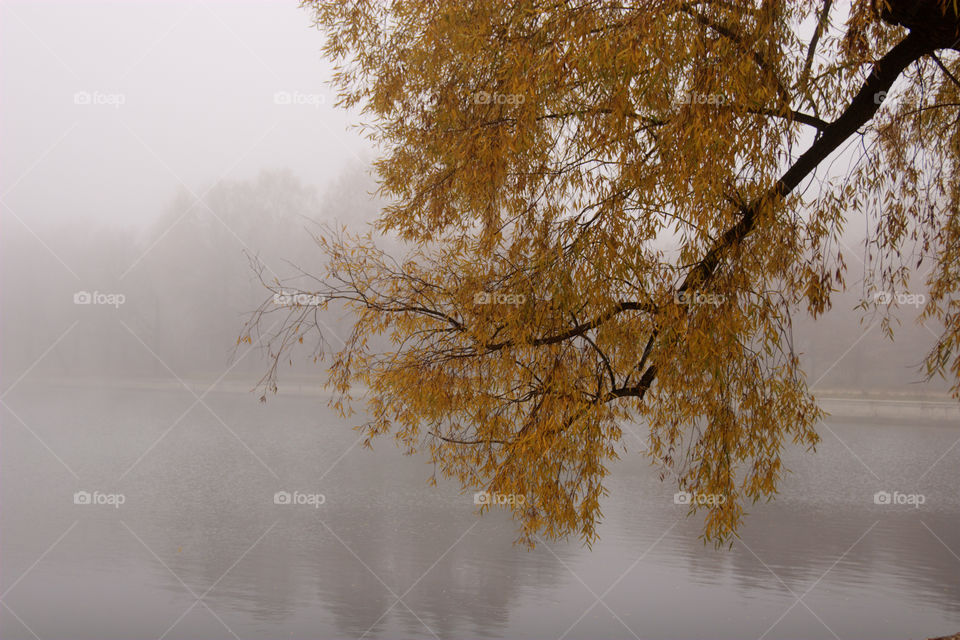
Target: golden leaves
[600,234]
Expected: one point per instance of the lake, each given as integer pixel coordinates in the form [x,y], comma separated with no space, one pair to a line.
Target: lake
[178,534]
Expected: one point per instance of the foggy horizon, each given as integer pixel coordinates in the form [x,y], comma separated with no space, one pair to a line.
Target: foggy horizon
[164,170]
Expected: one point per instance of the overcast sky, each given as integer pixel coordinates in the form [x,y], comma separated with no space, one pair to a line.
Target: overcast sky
[108,108]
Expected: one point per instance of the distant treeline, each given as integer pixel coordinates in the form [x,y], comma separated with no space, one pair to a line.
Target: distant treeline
[171,298]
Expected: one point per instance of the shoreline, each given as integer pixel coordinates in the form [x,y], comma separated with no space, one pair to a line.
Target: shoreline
[838,403]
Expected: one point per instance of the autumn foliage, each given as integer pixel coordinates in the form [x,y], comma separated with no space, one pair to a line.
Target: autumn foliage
[613,209]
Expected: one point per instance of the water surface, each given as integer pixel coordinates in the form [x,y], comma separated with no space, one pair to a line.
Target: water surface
[198,549]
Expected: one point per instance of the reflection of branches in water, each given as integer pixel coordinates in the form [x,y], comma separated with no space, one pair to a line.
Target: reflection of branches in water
[536,375]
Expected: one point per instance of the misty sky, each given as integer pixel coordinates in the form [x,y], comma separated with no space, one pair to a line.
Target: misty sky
[113,111]
[179,93]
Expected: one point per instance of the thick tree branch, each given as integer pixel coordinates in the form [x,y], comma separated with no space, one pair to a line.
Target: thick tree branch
[860,110]
[937,21]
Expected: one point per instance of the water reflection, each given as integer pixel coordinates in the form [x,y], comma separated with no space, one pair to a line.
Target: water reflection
[200,509]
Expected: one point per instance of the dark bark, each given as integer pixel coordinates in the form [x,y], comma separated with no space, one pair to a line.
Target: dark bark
[937,21]
[860,110]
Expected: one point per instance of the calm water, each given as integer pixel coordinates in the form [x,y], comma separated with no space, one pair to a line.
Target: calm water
[198,549]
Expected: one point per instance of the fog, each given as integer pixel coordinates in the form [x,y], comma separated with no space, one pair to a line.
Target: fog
[150,148]
[180,94]
[148,152]
[152,153]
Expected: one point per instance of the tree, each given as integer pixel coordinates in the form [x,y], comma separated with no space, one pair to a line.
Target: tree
[613,208]
[189,268]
